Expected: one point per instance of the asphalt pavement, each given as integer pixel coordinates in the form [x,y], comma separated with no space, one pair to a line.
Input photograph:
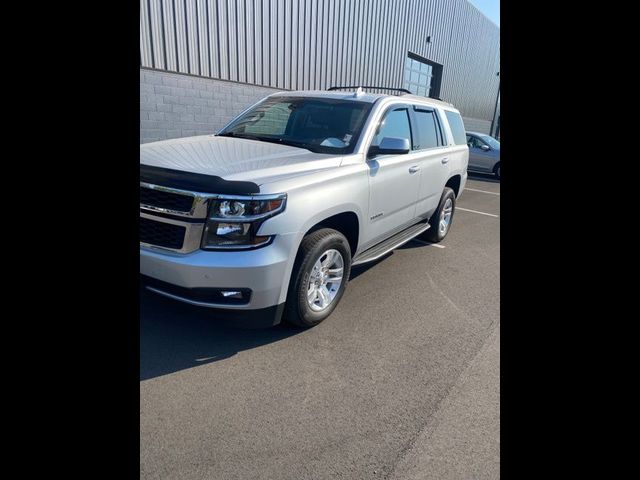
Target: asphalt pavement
[400,382]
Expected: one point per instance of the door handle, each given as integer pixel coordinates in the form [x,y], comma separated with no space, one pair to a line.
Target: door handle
[414,169]
[445,160]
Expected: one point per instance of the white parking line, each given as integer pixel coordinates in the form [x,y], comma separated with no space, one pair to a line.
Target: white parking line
[437,245]
[475,211]
[481,191]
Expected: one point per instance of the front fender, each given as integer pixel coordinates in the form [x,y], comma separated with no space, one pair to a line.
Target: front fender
[344,189]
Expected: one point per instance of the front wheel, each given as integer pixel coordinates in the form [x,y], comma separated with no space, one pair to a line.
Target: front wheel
[319,277]
[496,170]
[441,219]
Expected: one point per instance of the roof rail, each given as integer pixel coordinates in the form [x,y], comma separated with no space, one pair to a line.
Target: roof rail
[403,90]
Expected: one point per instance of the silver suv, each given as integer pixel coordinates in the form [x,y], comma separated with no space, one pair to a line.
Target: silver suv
[266,218]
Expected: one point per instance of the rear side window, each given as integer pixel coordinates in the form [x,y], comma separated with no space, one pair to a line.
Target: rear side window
[457,127]
[395,124]
[428,130]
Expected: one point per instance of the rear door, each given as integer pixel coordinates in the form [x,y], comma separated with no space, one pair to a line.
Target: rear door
[430,149]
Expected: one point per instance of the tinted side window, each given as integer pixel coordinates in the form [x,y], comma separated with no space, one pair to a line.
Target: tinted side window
[474,142]
[428,130]
[457,127]
[395,124]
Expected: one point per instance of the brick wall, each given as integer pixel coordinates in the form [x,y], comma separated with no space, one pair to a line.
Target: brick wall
[174,105]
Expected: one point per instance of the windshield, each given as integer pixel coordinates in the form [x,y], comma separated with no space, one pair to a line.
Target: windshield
[493,143]
[321,125]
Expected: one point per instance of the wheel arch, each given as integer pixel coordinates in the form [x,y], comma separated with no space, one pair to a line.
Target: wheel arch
[454,183]
[346,222]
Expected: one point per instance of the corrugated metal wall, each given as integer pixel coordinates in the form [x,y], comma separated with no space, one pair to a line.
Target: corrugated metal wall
[314,44]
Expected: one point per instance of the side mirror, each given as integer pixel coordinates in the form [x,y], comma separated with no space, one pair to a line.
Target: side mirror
[486,148]
[390,146]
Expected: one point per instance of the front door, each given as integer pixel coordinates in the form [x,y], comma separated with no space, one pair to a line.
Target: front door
[393,180]
[479,157]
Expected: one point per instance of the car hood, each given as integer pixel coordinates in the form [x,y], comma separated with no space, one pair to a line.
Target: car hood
[235,158]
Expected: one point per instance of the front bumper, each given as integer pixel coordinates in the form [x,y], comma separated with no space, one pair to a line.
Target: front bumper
[265,271]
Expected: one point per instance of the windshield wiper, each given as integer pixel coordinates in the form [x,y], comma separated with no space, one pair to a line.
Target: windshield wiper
[231,134]
[278,140]
[293,143]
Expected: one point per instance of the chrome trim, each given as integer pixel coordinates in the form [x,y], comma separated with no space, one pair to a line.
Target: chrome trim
[269,196]
[197,303]
[199,208]
[255,246]
[151,208]
[192,236]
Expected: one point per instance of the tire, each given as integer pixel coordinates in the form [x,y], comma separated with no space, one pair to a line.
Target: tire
[436,234]
[315,250]
[496,170]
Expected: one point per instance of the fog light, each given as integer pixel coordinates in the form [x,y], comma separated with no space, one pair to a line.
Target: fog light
[231,294]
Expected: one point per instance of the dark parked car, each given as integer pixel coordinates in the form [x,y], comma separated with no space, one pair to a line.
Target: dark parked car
[484,153]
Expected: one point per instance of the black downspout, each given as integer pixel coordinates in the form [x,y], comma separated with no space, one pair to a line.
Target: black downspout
[495,110]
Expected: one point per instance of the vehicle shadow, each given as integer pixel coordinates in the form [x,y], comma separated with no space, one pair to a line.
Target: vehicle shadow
[483,177]
[360,269]
[413,244]
[175,336]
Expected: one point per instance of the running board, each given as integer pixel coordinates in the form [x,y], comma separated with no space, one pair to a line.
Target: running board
[391,243]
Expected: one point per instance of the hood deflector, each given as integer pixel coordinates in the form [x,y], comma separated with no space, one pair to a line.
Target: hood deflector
[196,182]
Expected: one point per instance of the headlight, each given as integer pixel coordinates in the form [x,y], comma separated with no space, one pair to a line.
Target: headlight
[234,221]
[242,209]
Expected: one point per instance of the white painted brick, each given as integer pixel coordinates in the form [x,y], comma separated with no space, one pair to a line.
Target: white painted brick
[174,105]
[162,90]
[170,81]
[156,116]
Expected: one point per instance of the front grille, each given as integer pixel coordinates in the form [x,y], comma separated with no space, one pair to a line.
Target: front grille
[162,234]
[166,200]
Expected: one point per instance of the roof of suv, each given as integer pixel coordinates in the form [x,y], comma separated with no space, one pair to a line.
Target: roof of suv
[362,97]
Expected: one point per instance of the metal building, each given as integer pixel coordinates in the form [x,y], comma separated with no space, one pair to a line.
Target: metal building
[204,61]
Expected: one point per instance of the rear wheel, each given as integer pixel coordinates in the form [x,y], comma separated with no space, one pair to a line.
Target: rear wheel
[441,219]
[319,277]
